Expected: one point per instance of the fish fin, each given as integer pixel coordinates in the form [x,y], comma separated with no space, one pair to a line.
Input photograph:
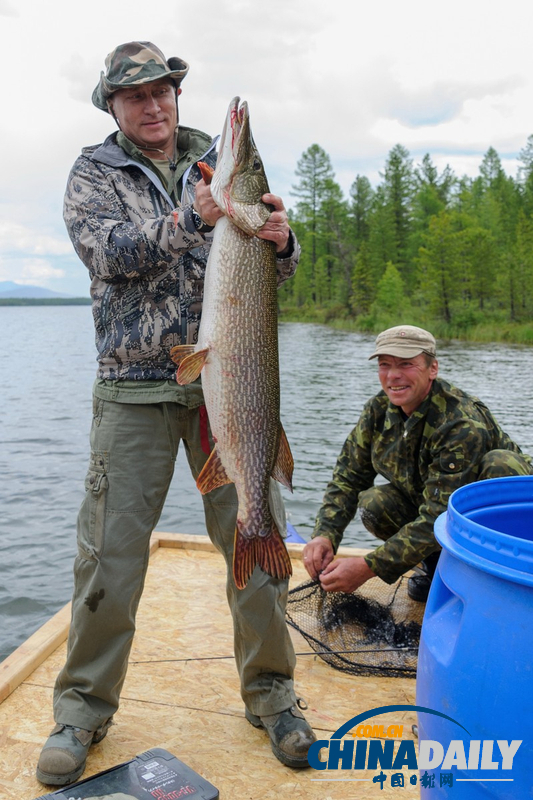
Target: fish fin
[181,351]
[191,366]
[267,551]
[213,474]
[207,171]
[274,557]
[284,466]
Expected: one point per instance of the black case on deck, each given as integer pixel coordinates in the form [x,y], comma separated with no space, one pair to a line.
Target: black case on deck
[153,775]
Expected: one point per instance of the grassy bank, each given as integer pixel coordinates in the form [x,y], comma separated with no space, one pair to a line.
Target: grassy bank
[492,329]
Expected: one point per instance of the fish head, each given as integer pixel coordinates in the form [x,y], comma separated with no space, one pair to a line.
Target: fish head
[239,180]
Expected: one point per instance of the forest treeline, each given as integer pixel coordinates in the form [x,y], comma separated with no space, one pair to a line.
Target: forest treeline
[454,254]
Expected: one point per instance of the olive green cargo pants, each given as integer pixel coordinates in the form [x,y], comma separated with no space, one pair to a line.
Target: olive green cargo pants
[133,451]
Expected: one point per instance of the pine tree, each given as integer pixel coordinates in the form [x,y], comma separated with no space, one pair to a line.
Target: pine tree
[381,233]
[323,213]
[462,247]
[478,256]
[440,269]
[431,194]
[526,176]
[398,187]
[335,244]
[364,285]
[391,301]
[521,288]
[362,195]
[314,170]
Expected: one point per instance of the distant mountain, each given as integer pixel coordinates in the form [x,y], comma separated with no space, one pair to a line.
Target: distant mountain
[10,289]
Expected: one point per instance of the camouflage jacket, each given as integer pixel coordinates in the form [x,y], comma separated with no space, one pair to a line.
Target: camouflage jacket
[145,257]
[426,456]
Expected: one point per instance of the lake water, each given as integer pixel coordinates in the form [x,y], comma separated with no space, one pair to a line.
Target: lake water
[47,367]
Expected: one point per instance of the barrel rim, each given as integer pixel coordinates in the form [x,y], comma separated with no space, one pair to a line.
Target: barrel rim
[492,551]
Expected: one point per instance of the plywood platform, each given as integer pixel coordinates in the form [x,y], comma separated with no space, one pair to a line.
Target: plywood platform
[182,692]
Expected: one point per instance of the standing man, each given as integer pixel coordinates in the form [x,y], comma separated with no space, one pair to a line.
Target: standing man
[426,438]
[140,218]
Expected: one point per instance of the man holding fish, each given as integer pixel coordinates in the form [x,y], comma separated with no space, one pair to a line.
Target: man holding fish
[141,218]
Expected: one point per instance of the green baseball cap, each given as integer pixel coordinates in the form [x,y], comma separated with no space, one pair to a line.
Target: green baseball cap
[136,63]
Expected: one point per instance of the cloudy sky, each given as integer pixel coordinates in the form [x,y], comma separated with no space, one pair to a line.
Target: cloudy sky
[451,79]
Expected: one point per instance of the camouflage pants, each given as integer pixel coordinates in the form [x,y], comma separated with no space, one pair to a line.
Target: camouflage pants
[133,451]
[384,509]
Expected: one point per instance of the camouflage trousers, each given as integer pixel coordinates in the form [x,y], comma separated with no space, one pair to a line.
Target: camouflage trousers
[133,452]
[384,509]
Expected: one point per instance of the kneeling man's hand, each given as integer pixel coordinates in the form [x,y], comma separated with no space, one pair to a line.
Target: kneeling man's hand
[317,554]
[345,574]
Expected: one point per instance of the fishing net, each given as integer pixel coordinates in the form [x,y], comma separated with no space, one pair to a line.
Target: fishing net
[373,631]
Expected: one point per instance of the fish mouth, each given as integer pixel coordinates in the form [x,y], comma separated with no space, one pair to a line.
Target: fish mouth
[231,151]
[239,181]
[236,121]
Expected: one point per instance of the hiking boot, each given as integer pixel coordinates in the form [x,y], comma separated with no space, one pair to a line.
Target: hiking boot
[64,754]
[419,584]
[290,735]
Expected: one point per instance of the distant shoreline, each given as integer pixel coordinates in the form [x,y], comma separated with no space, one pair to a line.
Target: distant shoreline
[45,301]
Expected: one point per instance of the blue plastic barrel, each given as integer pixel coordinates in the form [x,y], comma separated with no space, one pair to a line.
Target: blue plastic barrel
[475,662]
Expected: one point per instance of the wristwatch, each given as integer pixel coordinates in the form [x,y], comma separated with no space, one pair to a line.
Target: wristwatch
[198,222]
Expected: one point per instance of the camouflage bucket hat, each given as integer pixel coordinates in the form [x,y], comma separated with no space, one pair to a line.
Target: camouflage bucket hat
[404,341]
[135,63]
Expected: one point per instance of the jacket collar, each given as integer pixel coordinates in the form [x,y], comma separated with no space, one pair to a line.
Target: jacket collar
[395,416]
[192,144]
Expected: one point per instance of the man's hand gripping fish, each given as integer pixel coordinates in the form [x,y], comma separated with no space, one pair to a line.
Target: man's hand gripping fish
[238,351]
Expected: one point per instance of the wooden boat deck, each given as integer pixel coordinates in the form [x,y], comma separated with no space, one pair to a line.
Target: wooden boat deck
[182,692]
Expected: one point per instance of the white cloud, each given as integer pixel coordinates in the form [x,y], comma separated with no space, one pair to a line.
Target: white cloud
[441,102]
[18,238]
[32,271]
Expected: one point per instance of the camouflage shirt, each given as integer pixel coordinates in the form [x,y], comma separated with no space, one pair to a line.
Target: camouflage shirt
[426,456]
[144,254]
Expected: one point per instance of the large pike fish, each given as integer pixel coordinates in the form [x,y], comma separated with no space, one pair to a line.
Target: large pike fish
[237,353]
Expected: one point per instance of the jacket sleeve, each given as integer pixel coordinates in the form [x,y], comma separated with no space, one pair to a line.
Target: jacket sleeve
[455,454]
[352,474]
[286,267]
[115,240]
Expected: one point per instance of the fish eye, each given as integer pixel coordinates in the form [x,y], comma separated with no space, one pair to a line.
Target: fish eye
[257,164]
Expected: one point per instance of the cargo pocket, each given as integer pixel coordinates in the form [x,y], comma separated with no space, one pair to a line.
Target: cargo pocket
[91,519]
[98,410]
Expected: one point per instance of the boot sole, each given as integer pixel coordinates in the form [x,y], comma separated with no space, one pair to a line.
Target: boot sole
[58,780]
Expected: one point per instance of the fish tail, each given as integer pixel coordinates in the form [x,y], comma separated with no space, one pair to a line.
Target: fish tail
[267,551]
[273,555]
